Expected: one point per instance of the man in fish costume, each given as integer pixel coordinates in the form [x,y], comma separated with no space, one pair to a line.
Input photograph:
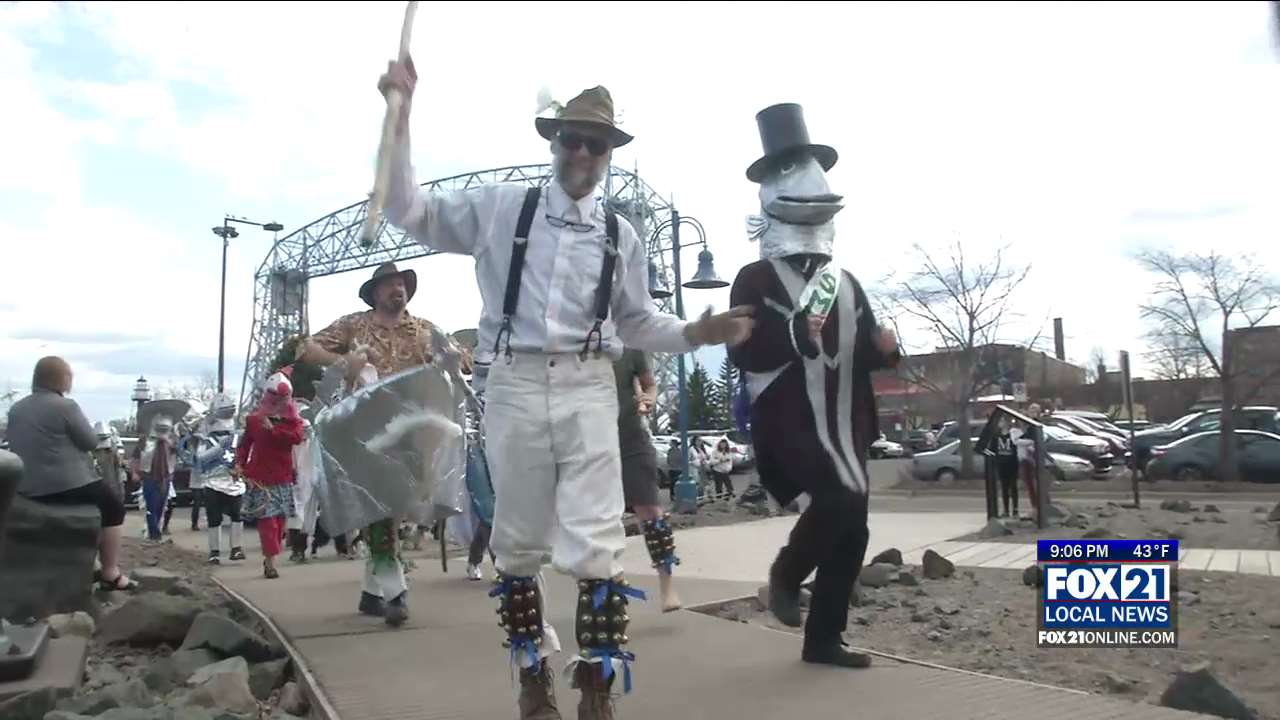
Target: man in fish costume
[808,371]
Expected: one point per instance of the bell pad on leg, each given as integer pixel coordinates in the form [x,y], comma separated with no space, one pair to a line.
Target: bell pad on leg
[601,624]
[520,614]
[662,545]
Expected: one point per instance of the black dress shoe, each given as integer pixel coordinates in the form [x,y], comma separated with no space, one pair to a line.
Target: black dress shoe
[372,605]
[397,611]
[784,602]
[838,655]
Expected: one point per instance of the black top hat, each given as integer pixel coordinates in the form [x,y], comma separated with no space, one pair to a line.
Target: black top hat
[783,133]
[386,270]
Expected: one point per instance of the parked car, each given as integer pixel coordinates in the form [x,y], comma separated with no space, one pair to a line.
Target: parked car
[744,456]
[885,448]
[1195,457]
[1080,426]
[922,440]
[1137,425]
[1096,451]
[1102,420]
[943,464]
[1265,418]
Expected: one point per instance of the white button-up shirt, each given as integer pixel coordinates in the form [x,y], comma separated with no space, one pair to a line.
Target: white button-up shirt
[562,266]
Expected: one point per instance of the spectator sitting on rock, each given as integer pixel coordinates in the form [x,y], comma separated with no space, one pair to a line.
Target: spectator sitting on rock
[54,438]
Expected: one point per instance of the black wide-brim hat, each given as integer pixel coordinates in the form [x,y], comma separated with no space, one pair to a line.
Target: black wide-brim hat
[593,107]
[784,135]
[384,271]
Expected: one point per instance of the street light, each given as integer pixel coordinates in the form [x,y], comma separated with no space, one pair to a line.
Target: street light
[686,491]
[226,232]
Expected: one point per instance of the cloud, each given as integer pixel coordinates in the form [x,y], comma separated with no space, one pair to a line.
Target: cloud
[79,338]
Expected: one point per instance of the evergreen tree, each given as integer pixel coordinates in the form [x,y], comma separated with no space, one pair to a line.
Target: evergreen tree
[726,386]
[702,400]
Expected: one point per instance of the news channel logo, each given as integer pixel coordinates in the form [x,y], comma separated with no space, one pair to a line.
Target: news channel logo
[1108,594]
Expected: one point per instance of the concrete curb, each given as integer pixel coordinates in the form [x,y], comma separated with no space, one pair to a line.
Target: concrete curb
[319,701]
[702,607]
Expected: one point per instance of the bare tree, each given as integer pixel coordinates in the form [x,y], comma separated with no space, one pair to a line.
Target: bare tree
[1197,299]
[1096,367]
[961,305]
[1172,356]
[201,390]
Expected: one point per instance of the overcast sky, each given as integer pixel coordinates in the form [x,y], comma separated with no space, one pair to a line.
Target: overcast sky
[1074,133]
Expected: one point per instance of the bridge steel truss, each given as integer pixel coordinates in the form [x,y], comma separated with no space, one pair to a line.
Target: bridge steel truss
[331,245]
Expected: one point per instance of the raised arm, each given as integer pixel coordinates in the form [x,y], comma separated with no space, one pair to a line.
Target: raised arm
[445,222]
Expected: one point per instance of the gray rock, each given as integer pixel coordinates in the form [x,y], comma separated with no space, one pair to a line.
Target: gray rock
[1116,684]
[943,608]
[49,551]
[919,617]
[64,715]
[1109,511]
[78,624]
[934,635]
[994,529]
[1188,598]
[157,713]
[33,705]
[149,619]
[1274,515]
[1218,519]
[293,701]
[1197,519]
[905,577]
[921,592]
[224,686]
[1057,512]
[861,620]
[232,665]
[1178,506]
[227,637]
[937,567]
[945,624]
[155,579]
[887,604]
[1096,533]
[102,674]
[1176,534]
[167,673]
[1195,689]
[182,588]
[133,694]
[892,556]
[878,575]
[1211,509]
[266,677]
[1260,509]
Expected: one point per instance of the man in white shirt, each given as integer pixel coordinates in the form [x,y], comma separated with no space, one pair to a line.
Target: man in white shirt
[564,286]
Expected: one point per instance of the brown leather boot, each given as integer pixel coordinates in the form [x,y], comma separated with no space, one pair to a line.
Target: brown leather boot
[538,694]
[596,703]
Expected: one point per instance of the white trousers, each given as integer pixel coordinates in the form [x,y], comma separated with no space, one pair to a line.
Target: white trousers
[551,433]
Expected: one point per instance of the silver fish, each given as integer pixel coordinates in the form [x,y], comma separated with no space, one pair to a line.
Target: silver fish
[797,210]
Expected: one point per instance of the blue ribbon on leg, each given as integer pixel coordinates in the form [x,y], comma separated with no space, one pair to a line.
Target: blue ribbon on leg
[607,655]
[603,589]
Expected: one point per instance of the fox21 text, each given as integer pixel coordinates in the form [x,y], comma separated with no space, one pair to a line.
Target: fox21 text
[1108,638]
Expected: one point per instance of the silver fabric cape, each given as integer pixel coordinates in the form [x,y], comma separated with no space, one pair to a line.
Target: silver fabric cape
[395,448]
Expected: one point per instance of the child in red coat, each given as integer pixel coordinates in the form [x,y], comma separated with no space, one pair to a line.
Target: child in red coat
[265,458]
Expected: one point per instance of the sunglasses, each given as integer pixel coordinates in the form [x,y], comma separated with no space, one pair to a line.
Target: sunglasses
[572,141]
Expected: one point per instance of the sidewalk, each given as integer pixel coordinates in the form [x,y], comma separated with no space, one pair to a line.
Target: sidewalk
[448,663]
[1019,555]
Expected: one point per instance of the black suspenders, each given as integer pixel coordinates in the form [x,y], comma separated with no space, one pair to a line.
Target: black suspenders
[604,291]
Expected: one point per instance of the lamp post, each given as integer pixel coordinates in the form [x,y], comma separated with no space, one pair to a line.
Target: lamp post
[226,232]
[686,490]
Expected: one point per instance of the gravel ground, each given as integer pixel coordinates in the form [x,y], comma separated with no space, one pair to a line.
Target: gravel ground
[1226,529]
[1118,481]
[1232,625]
